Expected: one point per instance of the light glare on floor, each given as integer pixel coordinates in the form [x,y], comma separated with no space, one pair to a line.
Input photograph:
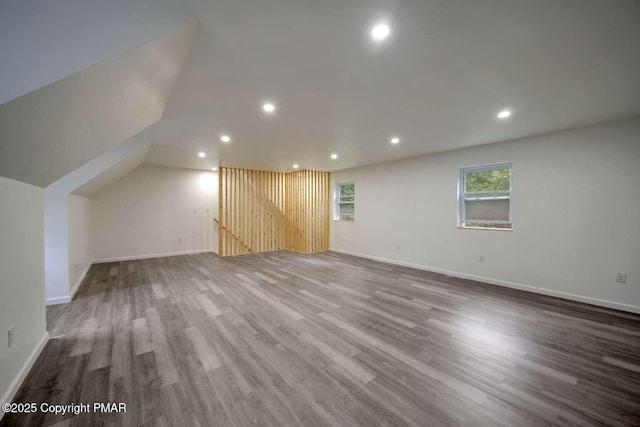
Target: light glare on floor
[202,155]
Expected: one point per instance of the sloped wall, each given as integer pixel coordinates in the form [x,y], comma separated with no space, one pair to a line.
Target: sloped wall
[48,133]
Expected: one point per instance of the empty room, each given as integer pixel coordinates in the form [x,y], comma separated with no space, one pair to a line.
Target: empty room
[320,213]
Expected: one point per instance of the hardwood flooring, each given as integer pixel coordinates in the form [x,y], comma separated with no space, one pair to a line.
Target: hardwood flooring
[279,339]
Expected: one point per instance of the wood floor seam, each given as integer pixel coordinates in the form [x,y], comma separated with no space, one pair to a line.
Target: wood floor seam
[327,339]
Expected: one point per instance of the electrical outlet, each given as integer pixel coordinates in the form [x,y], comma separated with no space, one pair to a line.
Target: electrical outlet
[179,239]
[481,258]
[621,277]
[10,337]
[398,247]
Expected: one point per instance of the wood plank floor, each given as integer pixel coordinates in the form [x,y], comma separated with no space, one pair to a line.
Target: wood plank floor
[280,339]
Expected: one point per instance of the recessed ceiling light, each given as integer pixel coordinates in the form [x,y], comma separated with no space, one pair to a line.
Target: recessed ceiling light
[334,156]
[296,166]
[202,154]
[268,107]
[504,114]
[380,32]
[214,169]
[395,140]
[225,138]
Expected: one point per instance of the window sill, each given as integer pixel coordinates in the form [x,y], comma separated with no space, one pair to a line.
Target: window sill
[485,228]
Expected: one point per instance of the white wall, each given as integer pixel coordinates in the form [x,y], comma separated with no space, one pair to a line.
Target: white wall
[58,276]
[56,246]
[149,210]
[21,281]
[576,207]
[80,248]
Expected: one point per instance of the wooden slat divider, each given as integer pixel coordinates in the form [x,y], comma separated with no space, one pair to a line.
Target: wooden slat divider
[263,211]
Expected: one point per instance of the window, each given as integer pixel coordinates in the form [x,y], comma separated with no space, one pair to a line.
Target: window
[344,202]
[484,197]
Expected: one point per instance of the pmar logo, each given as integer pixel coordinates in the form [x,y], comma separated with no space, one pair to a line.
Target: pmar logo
[110,407]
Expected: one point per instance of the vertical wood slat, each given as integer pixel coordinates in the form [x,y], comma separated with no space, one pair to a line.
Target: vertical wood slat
[264,211]
[226,209]
[220,237]
[245,194]
[307,194]
[232,218]
[237,211]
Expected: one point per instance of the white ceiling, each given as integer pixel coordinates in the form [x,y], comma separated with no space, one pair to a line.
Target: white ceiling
[43,41]
[112,174]
[437,82]
[52,131]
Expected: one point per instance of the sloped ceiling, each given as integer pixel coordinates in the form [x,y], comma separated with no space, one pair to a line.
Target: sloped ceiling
[43,41]
[49,132]
[111,175]
[437,82]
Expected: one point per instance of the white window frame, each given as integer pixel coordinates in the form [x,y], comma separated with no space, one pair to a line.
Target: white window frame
[492,195]
[336,201]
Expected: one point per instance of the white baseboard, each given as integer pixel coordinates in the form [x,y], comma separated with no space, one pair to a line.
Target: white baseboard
[67,298]
[134,257]
[22,374]
[543,291]
[80,280]
[57,300]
